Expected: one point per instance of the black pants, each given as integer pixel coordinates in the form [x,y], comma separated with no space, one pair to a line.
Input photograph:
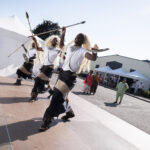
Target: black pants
[29,67]
[39,85]
[56,105]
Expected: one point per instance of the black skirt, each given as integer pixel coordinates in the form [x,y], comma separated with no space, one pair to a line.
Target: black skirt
[56,106]
[28,67]
[40,86]
[47,70]
[68,77]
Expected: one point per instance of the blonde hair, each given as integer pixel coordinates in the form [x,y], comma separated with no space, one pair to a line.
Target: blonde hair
[48,41]
[40,54]
[31,44]
[85,65]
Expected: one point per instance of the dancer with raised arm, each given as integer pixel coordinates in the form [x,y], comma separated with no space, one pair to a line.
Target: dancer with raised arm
[26,70]
[52,48]
[67,78]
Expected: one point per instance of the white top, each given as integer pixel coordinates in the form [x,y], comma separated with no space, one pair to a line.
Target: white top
[61,61]
[133,85]
[32,52]
[141,85]
[50,55]
[74,58]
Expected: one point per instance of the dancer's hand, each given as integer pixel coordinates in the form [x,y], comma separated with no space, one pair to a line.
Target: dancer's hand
[63,30]
[95,47]
[22,45]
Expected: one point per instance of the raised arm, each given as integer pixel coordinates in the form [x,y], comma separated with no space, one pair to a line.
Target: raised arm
[61,44]
[24,48]
[92,56]
[36,45]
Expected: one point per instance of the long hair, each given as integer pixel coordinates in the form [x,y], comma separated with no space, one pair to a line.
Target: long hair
[40,54]
[85,65]
[48,41]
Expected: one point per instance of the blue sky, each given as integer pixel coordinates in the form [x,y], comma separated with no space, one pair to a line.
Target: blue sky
[121,25]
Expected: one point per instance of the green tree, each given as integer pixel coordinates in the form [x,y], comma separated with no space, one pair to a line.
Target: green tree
[46,25]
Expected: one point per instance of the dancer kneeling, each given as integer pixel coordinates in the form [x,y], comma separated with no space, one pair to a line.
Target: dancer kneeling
[67,78]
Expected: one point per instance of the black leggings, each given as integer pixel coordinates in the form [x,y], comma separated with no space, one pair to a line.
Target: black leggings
[39,85]
[56,105]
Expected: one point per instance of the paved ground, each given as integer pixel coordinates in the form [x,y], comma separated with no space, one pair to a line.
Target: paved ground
[91,129]
[135,111]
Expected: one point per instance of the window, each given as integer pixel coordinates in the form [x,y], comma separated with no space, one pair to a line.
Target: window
[114,64]
[131,70]
[97,66]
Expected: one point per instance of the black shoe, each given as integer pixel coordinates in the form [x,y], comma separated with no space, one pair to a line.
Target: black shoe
[33,96]
[18,82]
[45,125]
[31,100]
[120,102]
[69,114]
[115,102]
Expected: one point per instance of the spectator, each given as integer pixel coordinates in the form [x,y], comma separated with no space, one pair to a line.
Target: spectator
[88,83]
[121,88]
[140,88]
[96,79]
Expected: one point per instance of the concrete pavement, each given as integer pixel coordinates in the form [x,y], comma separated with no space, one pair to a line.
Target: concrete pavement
[91,129]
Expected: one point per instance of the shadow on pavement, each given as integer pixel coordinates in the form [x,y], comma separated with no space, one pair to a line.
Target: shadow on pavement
[12,84]
[21,130]
[10,100]
[80,93]
[110,104]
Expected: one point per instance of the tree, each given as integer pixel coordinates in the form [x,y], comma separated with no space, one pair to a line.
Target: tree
[46,26]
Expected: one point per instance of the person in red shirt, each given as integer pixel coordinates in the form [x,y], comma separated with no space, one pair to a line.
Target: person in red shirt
[88,83]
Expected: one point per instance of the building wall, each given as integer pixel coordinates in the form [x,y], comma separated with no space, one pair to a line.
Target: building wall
[127,64]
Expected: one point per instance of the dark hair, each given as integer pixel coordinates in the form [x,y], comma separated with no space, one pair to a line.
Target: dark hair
[80,39]
[82,35]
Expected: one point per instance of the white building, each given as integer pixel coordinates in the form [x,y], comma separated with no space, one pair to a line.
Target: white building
[126,63]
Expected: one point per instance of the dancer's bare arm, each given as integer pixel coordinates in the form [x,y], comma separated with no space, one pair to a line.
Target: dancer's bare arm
[61,45]
[92,56]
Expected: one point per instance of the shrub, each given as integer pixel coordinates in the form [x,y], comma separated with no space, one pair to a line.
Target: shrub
[146,94]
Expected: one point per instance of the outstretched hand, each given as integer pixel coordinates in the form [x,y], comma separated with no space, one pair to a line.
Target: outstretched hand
[22,45]
[95,47]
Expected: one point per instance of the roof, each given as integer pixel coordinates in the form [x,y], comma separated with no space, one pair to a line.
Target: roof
[124,57]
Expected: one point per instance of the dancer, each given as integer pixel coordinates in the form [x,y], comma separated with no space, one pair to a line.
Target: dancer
[67,78]
[25,71]
[51,50]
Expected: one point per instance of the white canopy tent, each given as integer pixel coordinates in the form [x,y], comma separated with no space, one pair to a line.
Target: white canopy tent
[136,75]
[132,75]
[105,69]
[118,72]
[12,35]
